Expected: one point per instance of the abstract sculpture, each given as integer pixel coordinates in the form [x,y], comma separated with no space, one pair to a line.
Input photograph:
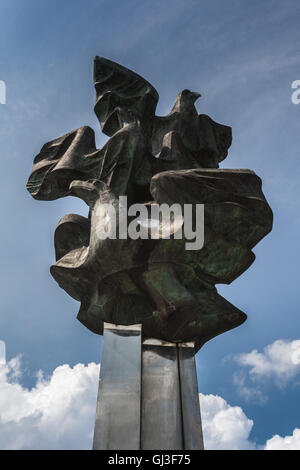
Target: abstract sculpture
[174,159]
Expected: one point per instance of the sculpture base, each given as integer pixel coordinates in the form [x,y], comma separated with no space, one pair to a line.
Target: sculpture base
[148,394]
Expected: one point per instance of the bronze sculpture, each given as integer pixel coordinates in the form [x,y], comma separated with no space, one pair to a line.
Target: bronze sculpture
[148,158]
[154,300]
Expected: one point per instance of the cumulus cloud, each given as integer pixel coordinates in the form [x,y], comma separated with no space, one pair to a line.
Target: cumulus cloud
[279,361]
[59,411]
[224,426]
[284,443]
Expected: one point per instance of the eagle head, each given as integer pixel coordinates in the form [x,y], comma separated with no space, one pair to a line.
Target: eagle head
[185,101]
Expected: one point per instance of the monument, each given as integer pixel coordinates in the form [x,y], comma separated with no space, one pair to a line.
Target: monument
[153,300]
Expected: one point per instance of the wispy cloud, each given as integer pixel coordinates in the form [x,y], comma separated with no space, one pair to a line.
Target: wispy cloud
[248,392]
[279,362]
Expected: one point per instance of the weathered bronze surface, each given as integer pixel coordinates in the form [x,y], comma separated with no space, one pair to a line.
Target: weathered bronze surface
[151,159]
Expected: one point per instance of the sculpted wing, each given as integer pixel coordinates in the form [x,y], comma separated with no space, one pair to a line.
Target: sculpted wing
[122,97]
[70,157]
[118,88]
[215,138]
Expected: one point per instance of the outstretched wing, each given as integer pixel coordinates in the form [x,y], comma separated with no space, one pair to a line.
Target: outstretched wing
[118,88]
[215,138]
[71,157]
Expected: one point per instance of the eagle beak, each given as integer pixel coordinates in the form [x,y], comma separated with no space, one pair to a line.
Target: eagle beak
[196,95]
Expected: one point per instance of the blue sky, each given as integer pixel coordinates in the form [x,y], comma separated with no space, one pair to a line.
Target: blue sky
[242,57]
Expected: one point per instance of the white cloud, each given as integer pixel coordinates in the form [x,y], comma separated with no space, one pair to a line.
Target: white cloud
[284,443]
[248,392]
[2,351]
[224,426]
[59,412]
[279,361]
